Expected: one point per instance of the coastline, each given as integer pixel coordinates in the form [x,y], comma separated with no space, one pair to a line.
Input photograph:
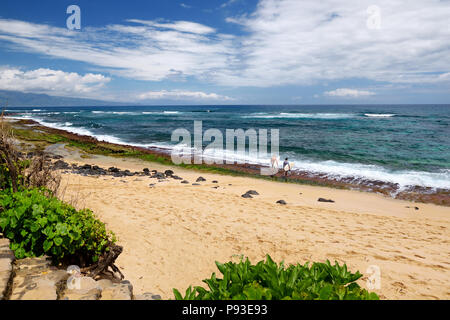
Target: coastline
[172,233]
[414,193]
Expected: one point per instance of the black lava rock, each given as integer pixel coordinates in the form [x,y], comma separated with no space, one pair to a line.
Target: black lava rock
[324,200]
[60,165]
[168,173]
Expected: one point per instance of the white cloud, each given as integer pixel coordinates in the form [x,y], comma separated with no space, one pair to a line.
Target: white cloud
[182,95]
[286,42]
[227,3]
[185,5]
[303,42]
[52,82]
[150,50]
[181,26]
[352,93]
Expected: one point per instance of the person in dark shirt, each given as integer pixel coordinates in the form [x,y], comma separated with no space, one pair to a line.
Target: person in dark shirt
[286,167]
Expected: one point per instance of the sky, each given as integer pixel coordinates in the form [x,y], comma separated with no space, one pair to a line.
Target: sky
[229,51]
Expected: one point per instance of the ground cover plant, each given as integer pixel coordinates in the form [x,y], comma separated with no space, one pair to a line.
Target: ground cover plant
[267,280]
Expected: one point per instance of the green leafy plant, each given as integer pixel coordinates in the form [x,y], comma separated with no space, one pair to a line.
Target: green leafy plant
[38,223]
[268,280]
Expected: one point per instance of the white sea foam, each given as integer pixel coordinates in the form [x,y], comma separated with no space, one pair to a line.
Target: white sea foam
[286,115]
[331,169]
[379,115]
[66,126]
[338,170]
[161,113]
[117,112]
[136,113]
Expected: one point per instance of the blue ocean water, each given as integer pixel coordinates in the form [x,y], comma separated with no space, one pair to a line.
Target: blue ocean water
[404,144]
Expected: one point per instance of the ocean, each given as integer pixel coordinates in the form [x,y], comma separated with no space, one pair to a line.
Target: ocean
[405,145]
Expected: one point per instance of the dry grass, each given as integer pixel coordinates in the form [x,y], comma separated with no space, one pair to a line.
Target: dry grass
[22,171]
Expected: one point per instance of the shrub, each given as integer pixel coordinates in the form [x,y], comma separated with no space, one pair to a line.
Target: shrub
[37,224]
[269,281]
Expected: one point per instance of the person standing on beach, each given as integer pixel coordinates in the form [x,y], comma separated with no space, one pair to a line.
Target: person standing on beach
[286,167]
[274,164]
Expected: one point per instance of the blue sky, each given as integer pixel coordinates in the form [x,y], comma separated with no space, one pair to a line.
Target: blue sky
[229,52]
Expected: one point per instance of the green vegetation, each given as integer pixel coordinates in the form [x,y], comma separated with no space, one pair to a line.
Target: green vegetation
[269,281]
[36,135]
[38,223]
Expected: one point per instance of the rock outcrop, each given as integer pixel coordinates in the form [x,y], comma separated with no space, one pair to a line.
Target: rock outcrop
[38,279]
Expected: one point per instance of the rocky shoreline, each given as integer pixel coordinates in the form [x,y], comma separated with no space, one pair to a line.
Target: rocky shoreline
[412,193]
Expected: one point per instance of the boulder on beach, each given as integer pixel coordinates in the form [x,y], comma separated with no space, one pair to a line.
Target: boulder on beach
[200,179]
[253,192]
[246,195]
[168,173]
[185,181]
[281,202]
[128,173]
[325,200]
[158,175]
[60,165]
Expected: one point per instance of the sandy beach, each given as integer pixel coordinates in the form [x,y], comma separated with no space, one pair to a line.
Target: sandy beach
[172,233]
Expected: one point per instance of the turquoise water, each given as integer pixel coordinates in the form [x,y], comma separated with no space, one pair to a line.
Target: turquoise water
[403,144]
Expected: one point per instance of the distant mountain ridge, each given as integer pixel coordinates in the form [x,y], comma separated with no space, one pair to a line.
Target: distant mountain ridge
[22,99]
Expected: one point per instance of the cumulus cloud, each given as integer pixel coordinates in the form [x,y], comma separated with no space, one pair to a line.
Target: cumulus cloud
[286,42]
[143,50]
[352,93]
[53,82]
[303,42]
[182,95]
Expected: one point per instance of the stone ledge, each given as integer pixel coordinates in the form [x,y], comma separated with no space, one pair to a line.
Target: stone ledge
[6,269]
[37,279]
